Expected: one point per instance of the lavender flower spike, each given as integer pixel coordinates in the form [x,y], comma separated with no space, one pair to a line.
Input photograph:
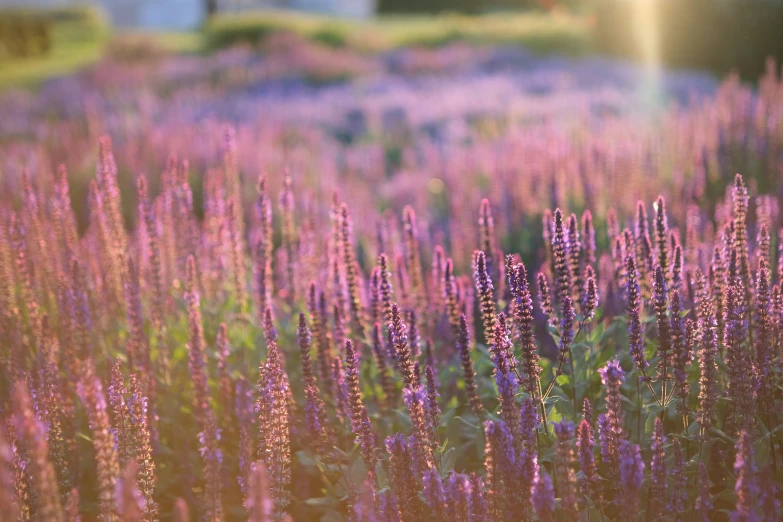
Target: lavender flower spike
[544,497]
[746,487]
[631,479]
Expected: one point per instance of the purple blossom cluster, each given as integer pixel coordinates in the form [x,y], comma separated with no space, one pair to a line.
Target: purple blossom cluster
[348,342]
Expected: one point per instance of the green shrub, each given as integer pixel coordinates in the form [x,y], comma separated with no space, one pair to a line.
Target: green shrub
[227,35]
[40,43]
[23,35]
[331,37]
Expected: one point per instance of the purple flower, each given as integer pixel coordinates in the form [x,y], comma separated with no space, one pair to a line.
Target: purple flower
[484,288]
[575,256]
[564,463]
[434,493]
[635,326]
[523,317]
[679,493]
[739,247]
[355,404]
[386,508]
[526,469]
[380,356]
[264,247]
[585,442]
[31,432]
[560,253]
[273,426]
[544,497]
[141,448]
[740,370]
[529,423]
[506,381]
[460,490]
[352,274]
[703,504]
[414,399]
[707,356]
[258,503]
[763,341]
[587,411]
[677,268]
[611,424]
[478,502]
[450,295]
[104,440]
[499,461]
[486,229]
[661,234]
[402,351]
[631,479]
[566,329]
[684,341]
[746,486]
[590,298]
[316,305]
[644,254]
[468,373]
[340,390]
[658,469]
[544,300]
[659,298]
[403,479]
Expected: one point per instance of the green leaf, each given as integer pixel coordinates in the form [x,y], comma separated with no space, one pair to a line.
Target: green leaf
[358,471]
[305,459]
[596,333]
[320,501]
[380,473]
[448,460]
[449,414]
[464,422]
[726,495]
[554,415]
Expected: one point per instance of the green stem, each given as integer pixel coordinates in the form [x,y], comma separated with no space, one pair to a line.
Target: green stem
[543,409]
[573,381]
[639,415]
[649,385]
[560,367]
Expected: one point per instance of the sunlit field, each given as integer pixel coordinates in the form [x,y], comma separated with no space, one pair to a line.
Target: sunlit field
[301,280]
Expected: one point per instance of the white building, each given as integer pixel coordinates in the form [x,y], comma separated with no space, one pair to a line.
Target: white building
[180,15]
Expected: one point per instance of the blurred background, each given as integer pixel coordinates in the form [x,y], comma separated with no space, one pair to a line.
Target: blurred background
[44,38]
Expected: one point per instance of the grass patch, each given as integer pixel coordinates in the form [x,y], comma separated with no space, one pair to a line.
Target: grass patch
[78,36]
[543,32]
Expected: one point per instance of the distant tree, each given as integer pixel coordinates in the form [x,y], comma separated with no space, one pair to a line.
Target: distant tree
[212,7]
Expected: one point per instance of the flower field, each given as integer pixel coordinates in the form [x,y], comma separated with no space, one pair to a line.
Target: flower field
[464,283]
